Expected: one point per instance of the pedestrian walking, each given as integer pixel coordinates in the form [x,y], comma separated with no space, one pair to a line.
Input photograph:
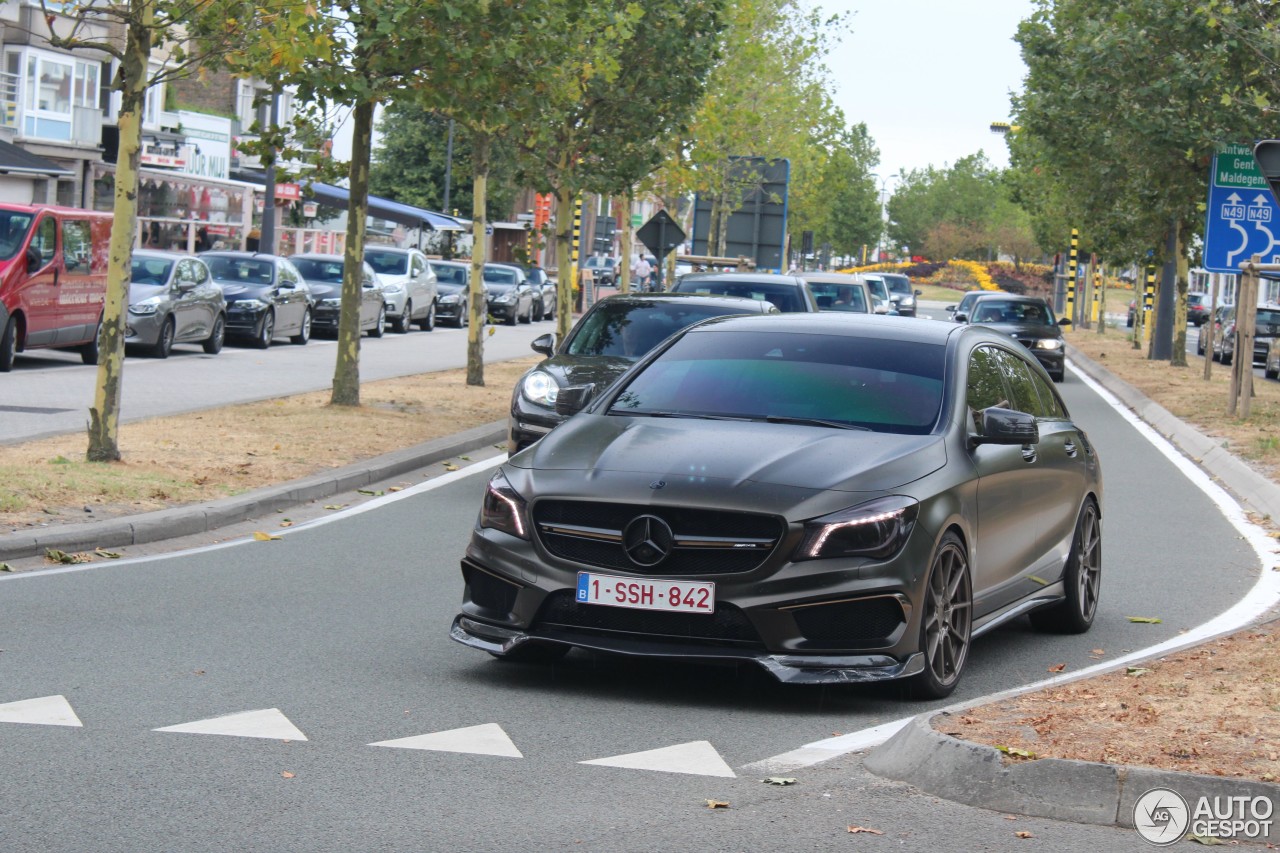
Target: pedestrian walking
[641,272]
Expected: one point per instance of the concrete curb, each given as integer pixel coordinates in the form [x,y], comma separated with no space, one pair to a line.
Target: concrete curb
[199,518]
[1080,791]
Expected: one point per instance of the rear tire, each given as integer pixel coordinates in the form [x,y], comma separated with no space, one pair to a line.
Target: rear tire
[9,345]
[304,333]
[405,321]
[380,327]
[1082,579]
[213,343]
[89,352]
[164,344]
[428,323]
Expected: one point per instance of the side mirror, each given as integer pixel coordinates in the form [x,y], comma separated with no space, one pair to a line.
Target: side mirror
[34,259]
[286,285]
[1005,426]
[1064,321]
[185,285]
[544,344]
[961,317]
[574,399]
[950,309]
[921,293]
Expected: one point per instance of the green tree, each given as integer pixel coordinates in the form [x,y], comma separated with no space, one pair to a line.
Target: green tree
[846,210]
[959,206]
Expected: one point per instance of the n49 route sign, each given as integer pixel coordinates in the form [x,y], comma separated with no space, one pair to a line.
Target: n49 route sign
[1243,219]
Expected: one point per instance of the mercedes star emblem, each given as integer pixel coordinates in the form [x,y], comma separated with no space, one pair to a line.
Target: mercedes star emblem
[647,540]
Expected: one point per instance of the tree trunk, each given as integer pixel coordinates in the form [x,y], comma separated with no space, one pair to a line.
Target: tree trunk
[346,370]
[104,417]
[622,275]
[568,276]
[1179,355]
[478,308]
[722,231]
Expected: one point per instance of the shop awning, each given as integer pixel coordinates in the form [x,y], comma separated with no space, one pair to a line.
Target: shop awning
[384,208]
[17,161]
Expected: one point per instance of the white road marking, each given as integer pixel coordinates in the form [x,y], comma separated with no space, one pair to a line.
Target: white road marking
[698,758]
[1264,595]
[44,711]
[267,723]
[486,739]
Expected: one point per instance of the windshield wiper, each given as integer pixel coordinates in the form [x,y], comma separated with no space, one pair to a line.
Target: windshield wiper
[657,413]
[782,419]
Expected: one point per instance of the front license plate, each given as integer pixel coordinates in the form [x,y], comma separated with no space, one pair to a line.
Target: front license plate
[638,594]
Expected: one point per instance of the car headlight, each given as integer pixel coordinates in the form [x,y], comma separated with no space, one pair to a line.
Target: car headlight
[393,288]
[538,387]
[146,306]
[503,508]
[249,304]
[876,529]
[449,299]
[335,302]
[1048,343]
[505,298]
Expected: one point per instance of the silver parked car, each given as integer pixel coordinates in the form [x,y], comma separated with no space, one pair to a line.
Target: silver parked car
[408,286]
[173,299]
[324,275]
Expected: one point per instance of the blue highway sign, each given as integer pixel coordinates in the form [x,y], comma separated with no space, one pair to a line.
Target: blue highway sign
[1243,219]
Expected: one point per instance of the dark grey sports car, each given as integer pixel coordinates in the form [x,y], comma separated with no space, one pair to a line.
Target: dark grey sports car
[837,498]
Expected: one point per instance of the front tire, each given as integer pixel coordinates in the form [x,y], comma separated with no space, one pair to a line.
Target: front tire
[9,345]
[89,352]
[403,323]
[1082,579]
[528,315]
[164,344]
[304,333]
[380,327]
[267,333]
[428,323]
[946,621]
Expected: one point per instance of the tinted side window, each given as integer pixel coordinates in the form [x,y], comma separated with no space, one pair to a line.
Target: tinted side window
[77,248]
[1049,399]
[1022,390]
[45,240]
[199,272]
[185,272]
[985,385]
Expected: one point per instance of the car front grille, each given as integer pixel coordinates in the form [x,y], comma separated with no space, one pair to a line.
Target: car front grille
[727,625]
[851,624]
[703,542]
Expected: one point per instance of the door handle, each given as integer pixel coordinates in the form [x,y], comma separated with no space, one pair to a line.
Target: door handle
[1028,453]
[1070,447]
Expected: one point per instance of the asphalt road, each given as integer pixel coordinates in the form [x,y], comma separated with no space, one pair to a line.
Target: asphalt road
[50,391]
[343,627]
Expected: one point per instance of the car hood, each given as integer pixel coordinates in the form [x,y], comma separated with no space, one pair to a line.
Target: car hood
[498,289]
[324,289]
[234,290]
[1023,330]
[585,369]
[735,453]
[140,292]
[389,280]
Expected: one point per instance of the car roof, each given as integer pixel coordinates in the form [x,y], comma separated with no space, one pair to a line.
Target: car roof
[231,253]
[381,248]
[160,253]
[318,256]
[1013,297]
[842,323]
[832,278]
[670,298]
[761,277]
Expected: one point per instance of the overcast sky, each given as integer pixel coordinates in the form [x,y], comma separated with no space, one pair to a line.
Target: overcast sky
[928,77]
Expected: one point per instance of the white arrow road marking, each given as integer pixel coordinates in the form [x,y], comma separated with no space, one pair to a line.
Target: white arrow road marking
[45,711]
[698,758]
[486,739]
[268,723]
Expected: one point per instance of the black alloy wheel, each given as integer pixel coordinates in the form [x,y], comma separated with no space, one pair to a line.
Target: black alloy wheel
[267,333]
[89,352]
[304,333]
[1082,579]
[9,345]
[164,344]
[380,327]
[213,343]
[404,322]
[946,621]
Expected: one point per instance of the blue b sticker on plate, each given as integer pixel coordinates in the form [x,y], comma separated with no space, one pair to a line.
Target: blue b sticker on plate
[583,579]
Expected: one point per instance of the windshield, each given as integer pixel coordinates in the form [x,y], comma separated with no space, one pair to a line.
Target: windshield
[839,297]
[898,284]
[500,276]
[1268,319]
[1022,313]
[786,298]
[450,275]
[243,270]
[387,263]
[311,269]
[149,270]
[13,230]
[878,384]
[629,330]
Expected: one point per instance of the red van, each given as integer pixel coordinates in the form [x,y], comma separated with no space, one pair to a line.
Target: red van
[53,279]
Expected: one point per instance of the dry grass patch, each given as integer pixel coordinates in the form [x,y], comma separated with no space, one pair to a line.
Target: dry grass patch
[212,454]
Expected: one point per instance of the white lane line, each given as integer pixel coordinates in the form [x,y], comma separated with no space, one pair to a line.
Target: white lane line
[697,758]
[266,723]
[486,739]
[429,485]
[1264,595]
[44,711]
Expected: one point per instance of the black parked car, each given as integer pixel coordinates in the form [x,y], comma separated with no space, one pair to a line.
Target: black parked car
[807,493]
[787,292]
[453,286]
[1029,320]
[266,296]
[511,299]
[609,338]
[323,273]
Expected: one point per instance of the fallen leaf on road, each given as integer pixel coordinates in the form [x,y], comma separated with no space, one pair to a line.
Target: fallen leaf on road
[53,555]
[1098,652]
[1010,817]
[492,329]
[110,555]
[5,567]
[286,523]
[465,458]
[335,506]
[395,489]
[1136,671]
[717,804]
[264,537]
[1057,667]
[449,466]
[1016,752]
[1146,620]
[1275,534]
[1022,833]
[370,492]
[1206,840]
[866,829]
[779,780]
[286,774]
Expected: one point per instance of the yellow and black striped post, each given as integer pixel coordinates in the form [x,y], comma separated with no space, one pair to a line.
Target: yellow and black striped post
[1148,303]
[576,255]
[1097,294]
[864,254]
[1072,259]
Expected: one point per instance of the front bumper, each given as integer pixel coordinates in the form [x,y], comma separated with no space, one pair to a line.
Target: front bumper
[244,322]
[450,312]
[528,423]
[504,311]
[1053,361]
[143,329]
[325,318]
